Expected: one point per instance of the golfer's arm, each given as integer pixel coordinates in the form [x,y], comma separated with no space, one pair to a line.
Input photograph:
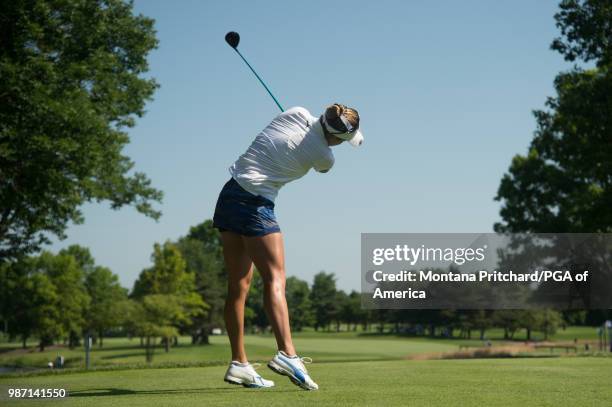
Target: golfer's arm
[324,166]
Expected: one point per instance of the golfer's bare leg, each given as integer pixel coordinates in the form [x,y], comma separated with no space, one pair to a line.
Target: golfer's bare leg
[239,273]
[268,254]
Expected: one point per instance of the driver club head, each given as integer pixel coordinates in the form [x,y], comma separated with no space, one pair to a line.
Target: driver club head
[232,38]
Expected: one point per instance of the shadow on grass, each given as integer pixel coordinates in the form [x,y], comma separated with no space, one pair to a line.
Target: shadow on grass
[123,355]
[112,348]
[127,392]
[6,349]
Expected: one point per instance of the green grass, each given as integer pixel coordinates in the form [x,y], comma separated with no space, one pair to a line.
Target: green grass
[497,334]
[323,348]
[576,332]
[491,382]
[350,368]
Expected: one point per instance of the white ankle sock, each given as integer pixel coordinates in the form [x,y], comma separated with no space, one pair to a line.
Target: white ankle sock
[284,354]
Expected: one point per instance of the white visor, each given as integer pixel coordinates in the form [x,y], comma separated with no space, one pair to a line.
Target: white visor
[354,138]
[357,139]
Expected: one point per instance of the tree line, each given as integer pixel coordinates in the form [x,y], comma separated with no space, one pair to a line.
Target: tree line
[65,296]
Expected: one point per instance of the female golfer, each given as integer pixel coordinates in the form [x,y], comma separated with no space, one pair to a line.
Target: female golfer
[292,144]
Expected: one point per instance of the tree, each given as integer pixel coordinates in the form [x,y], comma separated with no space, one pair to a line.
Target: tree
[72,299]
[82,256]
[106,296]
[105,292]
[353,313]
[43,316]
[550,320]
[323,296]
[28,300]
[530,320]
[297,293]
[509,319]
[72,83]
[155,315]
[6,299]
[203,254]
[45,298]
[482,320]
[209,236]
[169,276]
[341,305]
[586,29]
[564,183]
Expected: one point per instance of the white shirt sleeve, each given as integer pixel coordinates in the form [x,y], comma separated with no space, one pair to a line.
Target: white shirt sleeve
[324,164]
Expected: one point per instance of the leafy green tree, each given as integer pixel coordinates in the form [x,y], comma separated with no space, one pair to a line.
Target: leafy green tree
[323,297]
[586,31]
[564,183]
[42,315]
[5,296]
[352,313]
[203,255]
[82,255]
[46,298]
[469,320]
[549,322]
[72,298]
[297,293]
[28,300]
[508,319]
[574,317]
[481,320]
[169,276]
[529,319]
[155,315]
[381,317]
[104,291]
[72,83]
[209,236]
[341,305]
[106,295]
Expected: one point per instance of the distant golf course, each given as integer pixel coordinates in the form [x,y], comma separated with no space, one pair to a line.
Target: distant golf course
[350,367]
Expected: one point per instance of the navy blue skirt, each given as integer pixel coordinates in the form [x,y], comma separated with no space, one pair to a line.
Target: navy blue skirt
[244,213]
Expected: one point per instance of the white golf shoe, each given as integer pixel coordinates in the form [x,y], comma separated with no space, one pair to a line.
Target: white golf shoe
[244,374]
[293,367]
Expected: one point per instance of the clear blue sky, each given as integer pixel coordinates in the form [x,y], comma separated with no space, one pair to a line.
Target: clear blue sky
[445,91]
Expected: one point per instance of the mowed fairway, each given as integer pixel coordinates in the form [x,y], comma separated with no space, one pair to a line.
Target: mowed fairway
[578,381]
[350,369]
[321,347]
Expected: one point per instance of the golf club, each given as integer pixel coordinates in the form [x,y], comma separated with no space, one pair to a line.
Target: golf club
[233,39]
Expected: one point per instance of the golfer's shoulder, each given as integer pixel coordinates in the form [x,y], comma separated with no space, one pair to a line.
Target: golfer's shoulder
[298,113]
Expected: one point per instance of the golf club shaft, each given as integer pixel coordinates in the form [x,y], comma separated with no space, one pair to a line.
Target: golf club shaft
[260,80]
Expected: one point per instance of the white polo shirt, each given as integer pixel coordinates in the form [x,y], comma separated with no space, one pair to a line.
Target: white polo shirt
[284,151]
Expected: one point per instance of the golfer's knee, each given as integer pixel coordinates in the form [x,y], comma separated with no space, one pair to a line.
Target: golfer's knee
[275,282]
[239,289]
